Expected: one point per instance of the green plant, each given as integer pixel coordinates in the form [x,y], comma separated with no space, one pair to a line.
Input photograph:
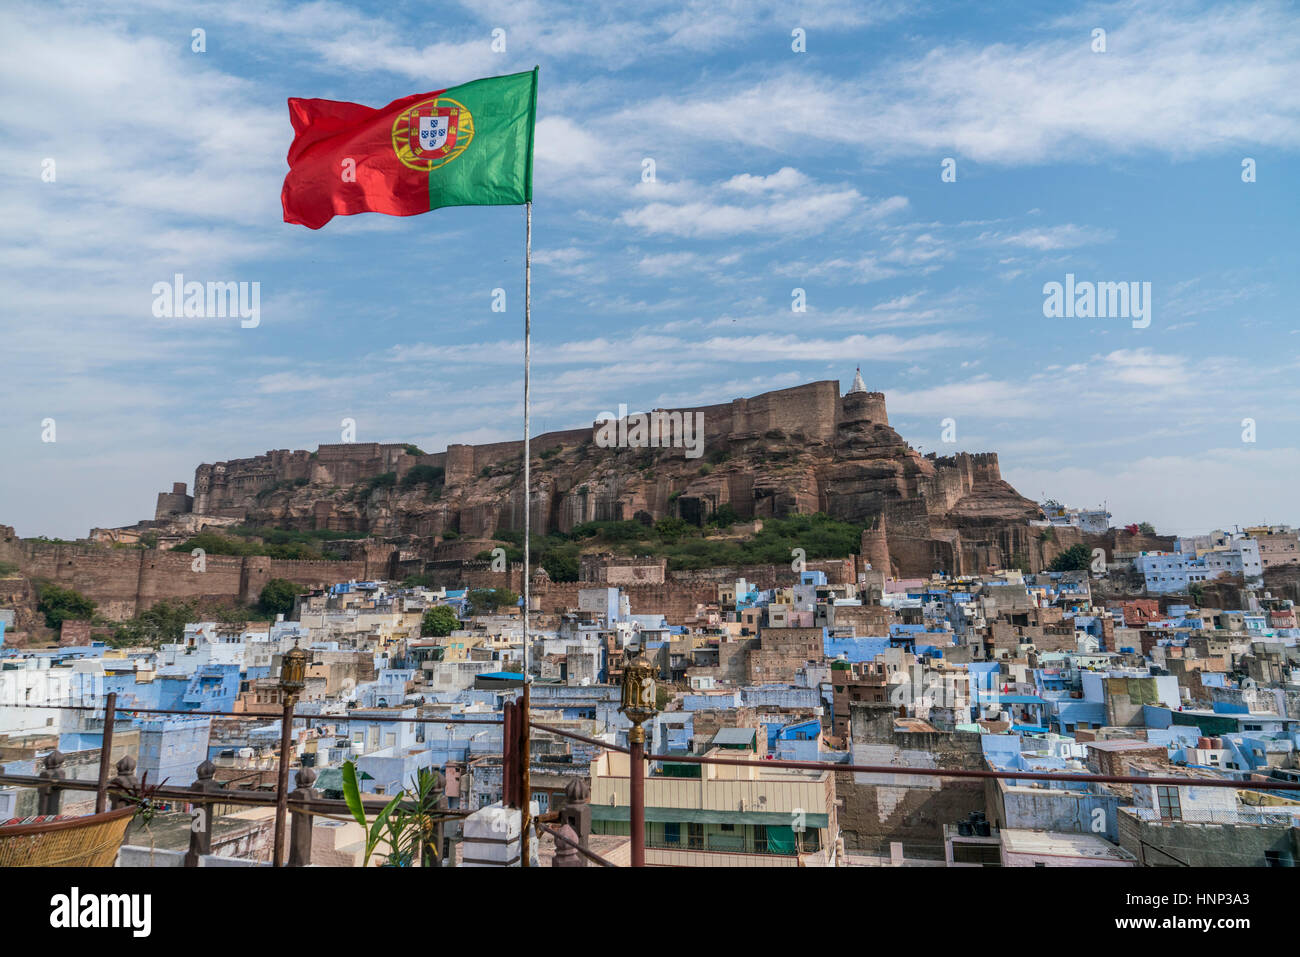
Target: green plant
[423,475]
[164,621]
[482,601]
[405,825]
[724,516]
[1074,558]
[277,596]
[438,622]
[670,530]
[59,604]
[277,543]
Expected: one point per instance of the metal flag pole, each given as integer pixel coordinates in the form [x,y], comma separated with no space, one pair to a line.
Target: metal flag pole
[526,790]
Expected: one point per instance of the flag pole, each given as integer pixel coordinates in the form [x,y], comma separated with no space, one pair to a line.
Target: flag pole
[528,334]
[526,810]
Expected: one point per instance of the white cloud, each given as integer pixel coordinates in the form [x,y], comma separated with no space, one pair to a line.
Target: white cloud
[1176,80]
[1065,236]
[1178,494]
[792,205]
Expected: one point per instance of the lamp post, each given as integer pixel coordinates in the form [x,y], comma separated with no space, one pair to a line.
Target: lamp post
[639,696]
[293,678]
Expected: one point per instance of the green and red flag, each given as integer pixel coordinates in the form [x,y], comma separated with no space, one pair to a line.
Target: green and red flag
[468,145]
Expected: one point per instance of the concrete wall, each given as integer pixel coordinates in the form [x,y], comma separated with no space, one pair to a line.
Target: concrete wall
[1204,845]
[911,809]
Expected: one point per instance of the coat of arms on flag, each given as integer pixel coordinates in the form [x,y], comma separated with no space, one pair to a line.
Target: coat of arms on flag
[435,132]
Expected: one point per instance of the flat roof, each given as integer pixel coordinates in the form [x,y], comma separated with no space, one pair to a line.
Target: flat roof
[735,736]
[1061,844]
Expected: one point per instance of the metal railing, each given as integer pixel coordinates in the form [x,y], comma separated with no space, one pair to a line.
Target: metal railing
[304,801]
[299,805]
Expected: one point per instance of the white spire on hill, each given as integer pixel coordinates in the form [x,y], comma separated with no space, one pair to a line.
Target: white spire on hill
[858,384]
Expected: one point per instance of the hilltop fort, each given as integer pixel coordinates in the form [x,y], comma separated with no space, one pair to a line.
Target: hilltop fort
[799,450]
[406,513]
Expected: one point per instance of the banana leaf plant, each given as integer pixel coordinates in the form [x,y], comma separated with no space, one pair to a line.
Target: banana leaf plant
[406,824]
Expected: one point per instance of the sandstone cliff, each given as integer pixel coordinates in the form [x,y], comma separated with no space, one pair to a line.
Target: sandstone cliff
[799,450]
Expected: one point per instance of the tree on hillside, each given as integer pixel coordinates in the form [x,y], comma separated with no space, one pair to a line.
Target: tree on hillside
[438,622]
[484,601]
[1076,558]
[277,596]
[60,604]
[671,529]
[724,516]
[162,622]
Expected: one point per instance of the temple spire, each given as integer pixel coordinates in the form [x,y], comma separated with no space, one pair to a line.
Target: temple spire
[858,384]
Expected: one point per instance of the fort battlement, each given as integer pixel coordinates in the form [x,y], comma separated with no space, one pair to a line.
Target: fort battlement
[848,463]
[864,407]
[980,468]
[814,411]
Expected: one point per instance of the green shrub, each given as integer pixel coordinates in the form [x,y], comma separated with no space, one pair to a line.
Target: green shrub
[483,601]
[277,596]
[438,622]
[423,475]
[60,604]
[1074,558]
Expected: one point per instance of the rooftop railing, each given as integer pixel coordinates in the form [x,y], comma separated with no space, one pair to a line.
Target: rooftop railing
[304,801]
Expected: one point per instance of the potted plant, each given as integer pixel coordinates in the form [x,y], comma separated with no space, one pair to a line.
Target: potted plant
[406,825]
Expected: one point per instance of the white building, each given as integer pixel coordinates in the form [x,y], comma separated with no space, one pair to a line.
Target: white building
[1166,572]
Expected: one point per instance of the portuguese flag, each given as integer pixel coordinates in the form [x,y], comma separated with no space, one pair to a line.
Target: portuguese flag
[469,145]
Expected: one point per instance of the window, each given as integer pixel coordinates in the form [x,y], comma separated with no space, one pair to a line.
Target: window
[672,832]
[695,836]
[1170,807]
[728,828]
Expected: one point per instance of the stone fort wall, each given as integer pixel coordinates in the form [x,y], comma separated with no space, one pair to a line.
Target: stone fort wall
[814,410]
[124,582]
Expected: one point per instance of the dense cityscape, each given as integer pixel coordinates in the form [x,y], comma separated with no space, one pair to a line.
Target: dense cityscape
[853,439]
[1097,652]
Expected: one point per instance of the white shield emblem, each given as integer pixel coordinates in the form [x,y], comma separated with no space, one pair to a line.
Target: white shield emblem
[433,132]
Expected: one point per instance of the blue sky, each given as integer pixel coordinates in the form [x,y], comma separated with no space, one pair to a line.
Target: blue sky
[773,170]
